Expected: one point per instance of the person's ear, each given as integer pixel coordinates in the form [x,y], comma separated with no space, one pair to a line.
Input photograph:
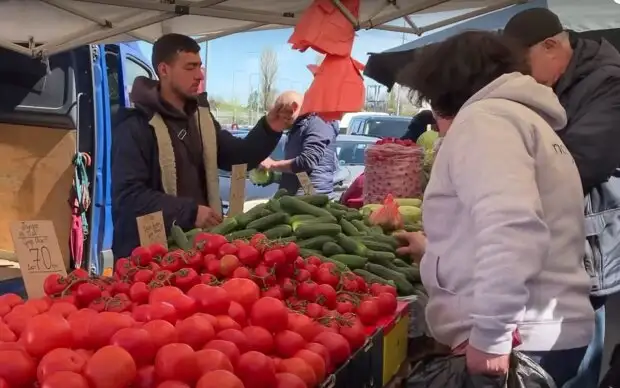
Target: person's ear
[162,70]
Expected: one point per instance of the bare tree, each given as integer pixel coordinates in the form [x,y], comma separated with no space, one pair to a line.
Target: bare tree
[268,74]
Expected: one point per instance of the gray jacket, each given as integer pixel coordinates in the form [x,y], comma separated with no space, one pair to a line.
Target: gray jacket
[590,92]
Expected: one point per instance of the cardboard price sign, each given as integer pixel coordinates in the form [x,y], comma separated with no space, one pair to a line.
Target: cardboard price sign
[38,252]
[236,197]
[306,185]
[152,229]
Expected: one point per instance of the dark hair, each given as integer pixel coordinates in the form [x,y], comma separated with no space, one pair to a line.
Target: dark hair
[448,73]
[417,125]
[166,48]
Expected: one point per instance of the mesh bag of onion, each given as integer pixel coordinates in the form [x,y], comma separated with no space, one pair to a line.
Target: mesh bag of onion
[393,167]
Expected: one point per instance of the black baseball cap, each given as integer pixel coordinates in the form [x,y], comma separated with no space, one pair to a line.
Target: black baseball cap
[532,26]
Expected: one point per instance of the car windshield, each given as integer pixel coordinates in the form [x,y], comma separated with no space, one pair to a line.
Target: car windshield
[351,152]
[386,128]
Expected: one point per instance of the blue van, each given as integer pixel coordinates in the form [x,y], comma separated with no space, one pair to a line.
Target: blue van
[49,111]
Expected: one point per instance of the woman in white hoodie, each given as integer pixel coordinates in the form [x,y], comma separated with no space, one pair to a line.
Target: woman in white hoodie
[503,212]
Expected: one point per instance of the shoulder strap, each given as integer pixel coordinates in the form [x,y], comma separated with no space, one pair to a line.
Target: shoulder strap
[167,163]
[209,155]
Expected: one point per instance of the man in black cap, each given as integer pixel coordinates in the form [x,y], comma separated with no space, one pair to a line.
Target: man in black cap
[585,75]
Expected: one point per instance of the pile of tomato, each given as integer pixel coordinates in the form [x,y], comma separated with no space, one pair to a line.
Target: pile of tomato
[246,314]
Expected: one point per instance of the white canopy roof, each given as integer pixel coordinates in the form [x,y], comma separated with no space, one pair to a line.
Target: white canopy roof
[46,27]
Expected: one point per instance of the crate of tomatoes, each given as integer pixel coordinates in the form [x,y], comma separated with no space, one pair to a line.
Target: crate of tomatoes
[224,314]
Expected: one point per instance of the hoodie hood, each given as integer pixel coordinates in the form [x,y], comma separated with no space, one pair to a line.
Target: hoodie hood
[524,90]
[146,98]
[588,56]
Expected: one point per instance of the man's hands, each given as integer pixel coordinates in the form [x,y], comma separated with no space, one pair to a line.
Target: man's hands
[481,363]
[267,164]
[285,111]
[206,217]
[416,244]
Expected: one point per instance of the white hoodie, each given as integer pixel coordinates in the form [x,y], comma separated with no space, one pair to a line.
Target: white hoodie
[503,213]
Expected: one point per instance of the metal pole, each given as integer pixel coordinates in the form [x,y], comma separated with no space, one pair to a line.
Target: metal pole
[398,85]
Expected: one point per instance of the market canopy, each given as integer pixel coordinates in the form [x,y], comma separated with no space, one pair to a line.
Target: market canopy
[46,27]
[578,15]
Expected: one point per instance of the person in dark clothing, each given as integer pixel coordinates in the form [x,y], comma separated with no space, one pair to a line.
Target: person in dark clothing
[585,75]
[418,125]
[310,147]
[167,149]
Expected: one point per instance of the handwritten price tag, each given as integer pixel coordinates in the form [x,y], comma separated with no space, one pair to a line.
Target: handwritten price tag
[152,230]
[38,252]
[236,198]
[306,185]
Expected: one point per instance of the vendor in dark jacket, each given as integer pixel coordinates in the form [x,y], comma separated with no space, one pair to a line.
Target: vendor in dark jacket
[167,149]
[310,147]
[585,75]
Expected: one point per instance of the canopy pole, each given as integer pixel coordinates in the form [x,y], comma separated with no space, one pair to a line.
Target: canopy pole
[403,11]
[15,47]
[347,14]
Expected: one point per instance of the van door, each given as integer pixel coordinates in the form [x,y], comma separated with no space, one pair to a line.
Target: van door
[133,64]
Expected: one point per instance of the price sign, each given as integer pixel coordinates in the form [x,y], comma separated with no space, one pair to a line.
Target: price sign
[236,198]
[152,229]
[306,185]
[38,252]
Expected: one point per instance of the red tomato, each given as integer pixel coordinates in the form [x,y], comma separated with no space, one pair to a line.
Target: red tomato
[58,360]
[165,311]
[259,339]
[316,362]
[326,296]
[291,252]
[54,284]
[288,287]
[273,292]
[208,279]
[289,380]
[172,261]
[387,304]
[210,300]
[145,377]
[274,258]
[210,359]
[185,278]
[322,351]
[137,342]
[64,309]
[249,256]
[235,336]
[344,307]
[227,249]
[162,332]
[139,292]
[11,299]
[141,256]
[258,240]
[315,310]
[184,306]
[299,368]
[24,309]
[164,294]
[110,367]
[353,331]
[368,312]
[225,322]
[304,326]
[172,384]
[242,273]
[243,291]
[194,259]
[269,313]
[5,309]
[157,250]
[338,346]
[79,322]
[176,362]
[228,348]
[306,290]
[65,379]
[326,275]
[6,335]
[256,370]
[17,322]
[104,325]
[17,368]
[46,332]
[236,312]
[143,275]
[228,265]
[195,331]
[220,379]
[287,343]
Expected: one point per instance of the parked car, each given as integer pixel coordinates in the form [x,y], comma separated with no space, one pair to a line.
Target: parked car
[350,151]
[346,119]
[379,126]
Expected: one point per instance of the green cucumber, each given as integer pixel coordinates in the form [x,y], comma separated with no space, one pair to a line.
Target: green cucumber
[330,248]
[351,261]
[391,240]
[348,228]
[351,246]
[180,238]
[371,278]
[319,200]
[402,284]
[280,193]
[301,217]
[376,229]
[372,243]
[400,263]
[288,239]
[339,206]
[245,218]
[307,252]
[242,234]
[360,226]
[314,220]
[274,205]
[353,215]
[193,233]
[316,229]
[315,242]
[415,227]
[382,258]
[279,231]
[336,213]
[265,212]
[227,226]
[294,205]
[268,221]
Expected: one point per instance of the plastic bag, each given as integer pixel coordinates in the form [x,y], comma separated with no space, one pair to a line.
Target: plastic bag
[451,372]
[387,216]
[393,169]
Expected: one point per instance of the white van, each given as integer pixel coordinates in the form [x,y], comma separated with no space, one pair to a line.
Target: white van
[346,119]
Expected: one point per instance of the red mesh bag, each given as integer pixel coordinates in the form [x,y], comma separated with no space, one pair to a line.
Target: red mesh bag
[395,169]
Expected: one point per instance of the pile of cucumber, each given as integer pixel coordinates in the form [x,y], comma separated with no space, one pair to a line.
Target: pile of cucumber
[331,232]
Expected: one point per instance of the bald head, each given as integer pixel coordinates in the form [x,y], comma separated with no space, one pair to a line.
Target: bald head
[289,97]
